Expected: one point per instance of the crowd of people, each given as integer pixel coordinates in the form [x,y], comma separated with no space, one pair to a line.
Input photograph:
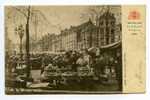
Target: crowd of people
[101,63]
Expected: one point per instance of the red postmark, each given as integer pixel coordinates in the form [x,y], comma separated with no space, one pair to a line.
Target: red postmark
[134,15]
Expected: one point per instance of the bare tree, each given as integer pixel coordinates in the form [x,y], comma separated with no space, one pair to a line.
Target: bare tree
[28,14]
[94,12]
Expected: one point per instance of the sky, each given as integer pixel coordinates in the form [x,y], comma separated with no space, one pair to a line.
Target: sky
[57,19]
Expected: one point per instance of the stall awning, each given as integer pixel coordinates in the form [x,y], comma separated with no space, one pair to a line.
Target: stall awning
[112,46]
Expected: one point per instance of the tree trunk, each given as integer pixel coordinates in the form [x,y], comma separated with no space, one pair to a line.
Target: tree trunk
[21,53]
[91,38]
[98,41]
[27,44]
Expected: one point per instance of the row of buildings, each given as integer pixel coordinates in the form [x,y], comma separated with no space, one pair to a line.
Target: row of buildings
[86,35]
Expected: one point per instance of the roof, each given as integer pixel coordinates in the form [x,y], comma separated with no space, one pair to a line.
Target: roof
[113,45]
[86,25]
[107,15]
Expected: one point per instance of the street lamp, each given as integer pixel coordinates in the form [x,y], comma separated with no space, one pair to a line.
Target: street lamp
[20,31]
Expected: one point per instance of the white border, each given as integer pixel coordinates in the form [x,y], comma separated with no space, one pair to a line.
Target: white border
[72,97]
[70,2]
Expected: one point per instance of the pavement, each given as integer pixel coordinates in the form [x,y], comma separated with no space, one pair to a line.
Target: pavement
[43,88]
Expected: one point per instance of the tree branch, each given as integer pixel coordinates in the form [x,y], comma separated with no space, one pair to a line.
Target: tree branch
[20,11]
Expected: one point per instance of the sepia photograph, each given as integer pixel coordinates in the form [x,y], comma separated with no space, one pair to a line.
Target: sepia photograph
[63,49]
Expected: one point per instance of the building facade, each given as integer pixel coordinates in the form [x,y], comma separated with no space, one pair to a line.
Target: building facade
[68,39]
[106,29]
[79,37]
[85,36]
[56,44]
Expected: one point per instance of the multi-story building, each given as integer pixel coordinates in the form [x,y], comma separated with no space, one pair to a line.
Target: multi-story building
[56,43]
[106,27]
[79,37]
[69,39]
[118,29]
[86,35]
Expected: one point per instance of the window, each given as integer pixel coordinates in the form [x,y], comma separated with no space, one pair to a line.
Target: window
[101,23]
[112,22]
[112,35]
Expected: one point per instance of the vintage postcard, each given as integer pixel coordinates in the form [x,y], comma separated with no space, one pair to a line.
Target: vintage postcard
[93,49]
